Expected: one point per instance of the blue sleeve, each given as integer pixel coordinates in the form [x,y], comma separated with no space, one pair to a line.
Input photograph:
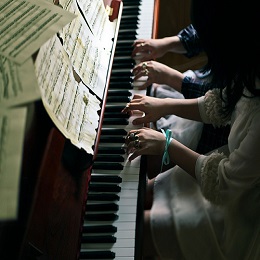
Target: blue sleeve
[190,41]
[194,89]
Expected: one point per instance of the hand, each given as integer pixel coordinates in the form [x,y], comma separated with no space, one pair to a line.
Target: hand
[148,49]
[144,141]
[159,73]
[151,106]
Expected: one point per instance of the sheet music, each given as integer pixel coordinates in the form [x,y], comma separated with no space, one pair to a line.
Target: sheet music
[12,129]
[26,25]
[71,106]
[88,56]
[97,18]
[18,83]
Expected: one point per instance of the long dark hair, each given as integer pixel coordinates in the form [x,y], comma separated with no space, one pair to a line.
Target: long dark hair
[229,33]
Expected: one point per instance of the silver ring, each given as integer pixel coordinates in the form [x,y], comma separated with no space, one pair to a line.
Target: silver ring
[142,44]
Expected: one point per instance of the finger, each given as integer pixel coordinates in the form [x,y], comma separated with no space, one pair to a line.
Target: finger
[138,41]
[134,155]
[146,84]
[137,96]
[136,69]
[140,74]
[130,107]
[140,120]
[133,145]
[138,48]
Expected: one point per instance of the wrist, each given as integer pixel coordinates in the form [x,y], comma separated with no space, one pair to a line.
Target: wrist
[176,79]
[175,45]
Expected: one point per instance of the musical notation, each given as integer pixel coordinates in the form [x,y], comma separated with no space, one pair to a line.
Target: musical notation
[71,106]
[81,40]
[16,87]
[26,25]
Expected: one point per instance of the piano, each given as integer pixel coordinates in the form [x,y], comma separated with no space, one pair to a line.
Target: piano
[73,205]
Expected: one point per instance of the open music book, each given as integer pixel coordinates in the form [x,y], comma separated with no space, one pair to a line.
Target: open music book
[72,70]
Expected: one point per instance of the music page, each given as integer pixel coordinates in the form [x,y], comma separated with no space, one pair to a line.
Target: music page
[12,129]
[71,106]
[26,25]
[88,57]
[18,83]
[97,17]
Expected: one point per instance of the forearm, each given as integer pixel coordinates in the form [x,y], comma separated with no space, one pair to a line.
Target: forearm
[173,44]
[183,157]
[173,78]
[186,108]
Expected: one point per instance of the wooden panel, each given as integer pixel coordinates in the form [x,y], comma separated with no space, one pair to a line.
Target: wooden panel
[174,16]
[55,223]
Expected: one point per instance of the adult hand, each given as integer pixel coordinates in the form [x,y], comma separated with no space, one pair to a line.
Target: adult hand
[159,73]
[152,107]
[144,141]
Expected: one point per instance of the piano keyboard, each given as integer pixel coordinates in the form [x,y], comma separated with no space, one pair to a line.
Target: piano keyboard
[110,224]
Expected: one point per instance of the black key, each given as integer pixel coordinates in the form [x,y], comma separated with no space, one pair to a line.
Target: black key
[103,197]
[125,52]
[127,32]
[99,229]
[126,43]
[96,187]
[111,150]
[119,92]
[133,38]
[113,131]
[106,178]
[133,6]
[129,17]
[116,115]
[102,207]
[115,121]
[98,239]
[116,99]
[121,84]
[122,72]
[107,166]
[126,65]
[101,217]
[114,108]
[105,254]
[109,157]
[113,139]
[131,2]
[122,78]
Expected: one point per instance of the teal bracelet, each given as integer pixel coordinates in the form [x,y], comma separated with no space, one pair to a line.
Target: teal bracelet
[166,157]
